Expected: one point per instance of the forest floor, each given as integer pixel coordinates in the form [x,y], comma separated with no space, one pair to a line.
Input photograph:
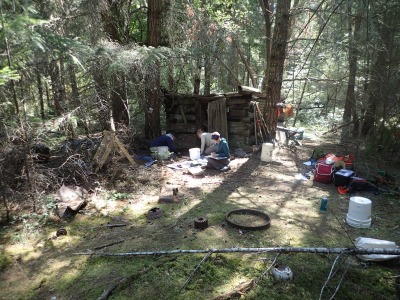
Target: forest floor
[39,266]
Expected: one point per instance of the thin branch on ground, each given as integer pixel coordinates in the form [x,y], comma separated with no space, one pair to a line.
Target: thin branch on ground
[194,271]
[267,270]
[341,225]
[330,275]
[107,245]
[115,225]
[340,282]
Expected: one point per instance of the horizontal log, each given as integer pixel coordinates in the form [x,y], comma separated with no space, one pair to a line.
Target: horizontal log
[178,118]
[238,126]
[182,127]
[237,113]
[312,250]
[240,120]
[242,133]
[238,101]
[186,141]
[236,141]
[173,100]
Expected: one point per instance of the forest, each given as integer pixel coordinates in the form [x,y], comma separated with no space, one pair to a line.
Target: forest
[74,71]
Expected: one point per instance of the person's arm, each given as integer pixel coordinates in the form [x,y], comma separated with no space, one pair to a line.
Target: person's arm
[203,143]
[170,144]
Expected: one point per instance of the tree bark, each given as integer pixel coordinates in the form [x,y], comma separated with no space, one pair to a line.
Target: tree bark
[275,72]
[119,100]
[55,86]
[231,73]
[102,98]
[207,74]
[378,74]
[245,61]
[7,49]
[74,85]
[152,115]
[350,111]
[40,92]
[197,76]
[266,9]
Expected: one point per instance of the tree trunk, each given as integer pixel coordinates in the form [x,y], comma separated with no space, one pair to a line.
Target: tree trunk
[378,75]
[74,85]
[197,77]
[152,116]
[76,102]
[275,72]
[207,75]
[102,98]
[231,82]
[61,85]
[55,86]
[119,100]
[7,49]
[40,92]
[171,83]
[245,62]
[266,9]
[228,69]
[350,104]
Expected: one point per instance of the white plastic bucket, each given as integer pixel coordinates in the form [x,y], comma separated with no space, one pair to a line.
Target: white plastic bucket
[194,153]
[161,151]
[267,152]
[359,213]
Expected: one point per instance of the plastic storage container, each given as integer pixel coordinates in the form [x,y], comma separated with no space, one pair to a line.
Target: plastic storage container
[343,177]
[267,152]
[194,153]
[359,213]
[162,152]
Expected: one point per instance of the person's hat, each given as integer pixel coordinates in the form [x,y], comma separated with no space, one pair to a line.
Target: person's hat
[215,135]
[170,135]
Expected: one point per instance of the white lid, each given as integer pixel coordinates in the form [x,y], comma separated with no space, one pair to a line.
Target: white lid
[329,161]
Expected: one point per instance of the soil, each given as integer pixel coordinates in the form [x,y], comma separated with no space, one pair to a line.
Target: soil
[122,223]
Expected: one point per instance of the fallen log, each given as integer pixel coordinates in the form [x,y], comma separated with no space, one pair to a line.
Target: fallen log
[350,251]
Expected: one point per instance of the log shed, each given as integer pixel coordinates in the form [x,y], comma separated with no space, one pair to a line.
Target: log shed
[231,114]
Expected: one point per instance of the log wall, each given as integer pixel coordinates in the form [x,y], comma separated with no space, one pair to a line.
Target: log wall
[186,113]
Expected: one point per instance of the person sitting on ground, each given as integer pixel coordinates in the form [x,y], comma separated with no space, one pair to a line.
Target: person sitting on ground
[207,143]
[219,159]
[163,140]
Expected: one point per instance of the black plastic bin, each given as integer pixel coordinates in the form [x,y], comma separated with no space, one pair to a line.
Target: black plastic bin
[343,177]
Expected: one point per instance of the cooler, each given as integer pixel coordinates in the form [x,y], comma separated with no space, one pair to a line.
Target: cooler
[343,177]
